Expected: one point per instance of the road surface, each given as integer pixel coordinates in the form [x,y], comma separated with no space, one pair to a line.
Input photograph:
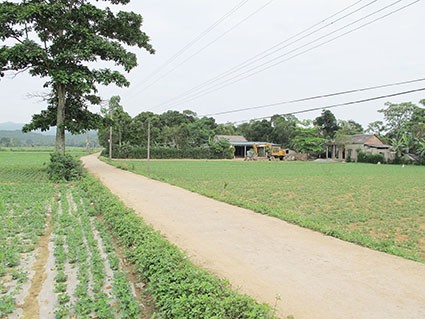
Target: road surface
[301,272]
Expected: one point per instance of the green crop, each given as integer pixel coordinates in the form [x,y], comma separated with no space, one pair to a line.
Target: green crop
[377,206]
[180,289]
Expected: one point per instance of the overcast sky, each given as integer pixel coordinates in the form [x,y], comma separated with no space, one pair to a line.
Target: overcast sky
[389,50]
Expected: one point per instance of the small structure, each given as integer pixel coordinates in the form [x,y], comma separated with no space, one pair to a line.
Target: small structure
[348,147]
[243,147]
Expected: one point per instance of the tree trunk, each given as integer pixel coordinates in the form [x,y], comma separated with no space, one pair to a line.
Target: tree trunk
[60,120]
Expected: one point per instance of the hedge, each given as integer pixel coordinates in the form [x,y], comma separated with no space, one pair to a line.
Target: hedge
[363,157]
[179,288]
[128,151]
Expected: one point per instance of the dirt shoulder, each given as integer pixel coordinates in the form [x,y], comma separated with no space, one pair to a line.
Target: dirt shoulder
[303,273]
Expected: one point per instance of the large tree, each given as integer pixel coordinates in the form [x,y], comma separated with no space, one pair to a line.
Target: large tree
[398,118]
[60,40]
[327,124]
[284,129]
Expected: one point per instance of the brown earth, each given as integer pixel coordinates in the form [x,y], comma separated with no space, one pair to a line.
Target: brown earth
[31,305]
[301,272]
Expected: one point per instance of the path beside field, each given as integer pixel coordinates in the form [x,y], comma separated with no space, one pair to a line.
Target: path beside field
[303,273]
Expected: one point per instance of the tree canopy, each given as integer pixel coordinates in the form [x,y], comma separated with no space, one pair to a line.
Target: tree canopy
[60,41]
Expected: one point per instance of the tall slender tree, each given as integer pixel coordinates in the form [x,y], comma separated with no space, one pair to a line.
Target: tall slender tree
[60,40]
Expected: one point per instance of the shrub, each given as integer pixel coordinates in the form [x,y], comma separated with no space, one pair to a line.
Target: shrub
[363,157]
[399,160]
[64,167]
[216,151]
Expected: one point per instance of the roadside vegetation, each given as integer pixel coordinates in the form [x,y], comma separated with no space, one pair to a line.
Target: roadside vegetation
[377,206]
[84,254]
[183,134]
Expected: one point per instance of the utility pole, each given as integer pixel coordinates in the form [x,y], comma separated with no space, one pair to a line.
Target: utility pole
[110,131]
[148,164]
[87,141]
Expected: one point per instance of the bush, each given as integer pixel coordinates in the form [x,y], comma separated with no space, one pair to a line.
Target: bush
[399,160]
[216,151]
[64,167]
[363,157]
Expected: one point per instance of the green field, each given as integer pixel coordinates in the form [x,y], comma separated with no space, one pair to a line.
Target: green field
[76,246]
[378,206]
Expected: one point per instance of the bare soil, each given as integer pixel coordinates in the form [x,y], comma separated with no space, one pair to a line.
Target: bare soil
[31,305]
[299,271]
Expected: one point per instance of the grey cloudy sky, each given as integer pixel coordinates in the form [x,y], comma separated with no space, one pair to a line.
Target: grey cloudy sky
[389,50]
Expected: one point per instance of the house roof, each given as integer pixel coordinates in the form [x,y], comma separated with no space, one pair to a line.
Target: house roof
[231,138]
[370,139]
[360,138]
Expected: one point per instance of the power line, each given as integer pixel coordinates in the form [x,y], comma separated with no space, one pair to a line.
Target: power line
[271,50]
[197,38]
[336,105]
[266,53]
[209,44]
[316,97]
[247,73]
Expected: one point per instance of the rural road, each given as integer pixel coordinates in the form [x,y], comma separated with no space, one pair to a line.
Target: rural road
[301,272]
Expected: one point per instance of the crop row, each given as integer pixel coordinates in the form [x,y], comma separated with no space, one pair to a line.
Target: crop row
[23,215]
[180,289]
[83,251]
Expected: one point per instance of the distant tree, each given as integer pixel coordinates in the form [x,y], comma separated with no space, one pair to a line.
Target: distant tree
[201,131]
[349,127]
[226,129]
[398,117]
[138,129]
[308,141]
[60,40]
[284,129]
[258,131]
[399,145]
[416,125]
[327,124]
[5,141]
[120,120]
[377,128]
[421,149]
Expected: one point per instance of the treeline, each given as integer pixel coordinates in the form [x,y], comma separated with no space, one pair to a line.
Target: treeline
[19,139]
[176,134]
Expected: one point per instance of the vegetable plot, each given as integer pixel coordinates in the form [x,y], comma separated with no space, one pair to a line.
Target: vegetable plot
[83,250]
[24,211]
[61,256]
[53,247]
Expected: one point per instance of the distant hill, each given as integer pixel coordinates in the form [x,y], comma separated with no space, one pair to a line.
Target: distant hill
[10,126]
[13,138]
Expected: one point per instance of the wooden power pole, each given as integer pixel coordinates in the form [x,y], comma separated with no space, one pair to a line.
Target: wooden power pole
[148,164]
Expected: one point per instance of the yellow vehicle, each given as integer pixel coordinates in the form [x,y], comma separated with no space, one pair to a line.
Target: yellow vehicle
[270,151]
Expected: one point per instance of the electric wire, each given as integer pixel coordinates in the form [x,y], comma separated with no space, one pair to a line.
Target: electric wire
[265,66]
[336,105]
[197,38]
[271,50]
[316,97]
[207,45]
